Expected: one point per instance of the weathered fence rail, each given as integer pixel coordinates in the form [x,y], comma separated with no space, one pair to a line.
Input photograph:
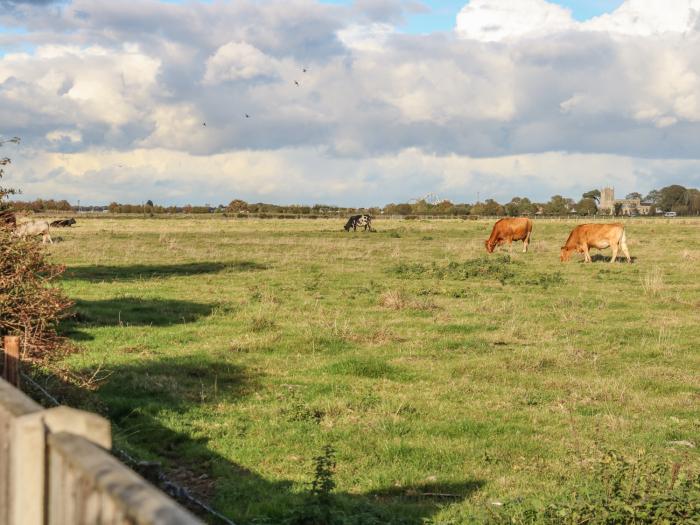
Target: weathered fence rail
[55,469]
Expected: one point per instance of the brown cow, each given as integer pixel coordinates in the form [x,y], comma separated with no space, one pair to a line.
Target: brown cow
[599,236]
[509,230]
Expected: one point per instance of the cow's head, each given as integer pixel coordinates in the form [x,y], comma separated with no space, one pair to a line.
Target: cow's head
[489,246]
[347,226]
[565,254]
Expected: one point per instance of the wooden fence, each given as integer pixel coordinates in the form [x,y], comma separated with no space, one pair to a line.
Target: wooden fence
[56,469]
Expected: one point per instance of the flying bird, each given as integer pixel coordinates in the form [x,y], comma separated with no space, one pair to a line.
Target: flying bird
[296,82]
[204,124]
[247,116]
[304,70]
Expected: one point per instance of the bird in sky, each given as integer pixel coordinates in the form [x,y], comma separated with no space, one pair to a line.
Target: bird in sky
[304,70]
[204,124]
[247,116]
[296,82]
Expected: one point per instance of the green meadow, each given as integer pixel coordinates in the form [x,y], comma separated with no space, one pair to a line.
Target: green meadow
[451,385]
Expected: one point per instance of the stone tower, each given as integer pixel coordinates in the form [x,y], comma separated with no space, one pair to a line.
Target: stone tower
[607,199]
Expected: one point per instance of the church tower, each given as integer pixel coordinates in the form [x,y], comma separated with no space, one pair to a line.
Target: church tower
[607,200]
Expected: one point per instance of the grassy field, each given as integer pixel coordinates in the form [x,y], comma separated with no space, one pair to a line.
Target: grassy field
[446,381]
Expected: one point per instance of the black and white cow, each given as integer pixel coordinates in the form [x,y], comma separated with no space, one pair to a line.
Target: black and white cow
[358,220]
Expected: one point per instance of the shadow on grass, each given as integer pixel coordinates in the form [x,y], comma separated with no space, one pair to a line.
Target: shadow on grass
[139,397]
[98,273]
[599,257]
[132,311]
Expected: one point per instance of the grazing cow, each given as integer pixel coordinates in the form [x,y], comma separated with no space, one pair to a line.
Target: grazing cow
[34,228]
[509,230]
[63,223]
[600,236]
[358,220]
[8,219]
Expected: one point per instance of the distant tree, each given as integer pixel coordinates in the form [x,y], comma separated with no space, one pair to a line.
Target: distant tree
[461,209]
[444,208]
[489,207]
[558,205]
[694,202]
[403,209]
[520,206]
[634,195]
[674,198]
[593,194]
[149,202]
[586,206]
[237,206]
[654,196]
[421,207]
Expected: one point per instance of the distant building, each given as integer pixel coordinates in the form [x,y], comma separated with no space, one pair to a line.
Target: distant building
[629,206]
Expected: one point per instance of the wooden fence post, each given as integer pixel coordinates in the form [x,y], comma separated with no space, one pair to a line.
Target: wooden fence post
[11,368]
[28,482]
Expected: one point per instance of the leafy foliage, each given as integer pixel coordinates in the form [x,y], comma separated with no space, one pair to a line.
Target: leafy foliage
[639,490]
[29,305]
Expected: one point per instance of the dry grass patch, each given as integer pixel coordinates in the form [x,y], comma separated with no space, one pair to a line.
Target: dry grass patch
[653,282]
[400,300]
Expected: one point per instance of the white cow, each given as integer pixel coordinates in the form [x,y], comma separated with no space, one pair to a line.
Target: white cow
[34,228]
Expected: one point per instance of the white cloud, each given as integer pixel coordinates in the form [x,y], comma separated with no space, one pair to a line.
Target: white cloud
[307,176]
[498,20]
[378,115]
[649,18]
[60,135]
[238,61]
[495,20]
[366,37]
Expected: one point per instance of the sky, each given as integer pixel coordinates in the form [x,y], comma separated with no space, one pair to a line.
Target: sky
[352,102]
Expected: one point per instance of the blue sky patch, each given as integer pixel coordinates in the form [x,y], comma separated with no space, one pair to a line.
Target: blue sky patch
[443,13]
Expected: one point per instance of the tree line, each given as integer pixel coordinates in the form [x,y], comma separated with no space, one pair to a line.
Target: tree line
[683,201]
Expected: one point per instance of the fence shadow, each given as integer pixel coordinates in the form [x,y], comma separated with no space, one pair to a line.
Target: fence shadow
[135,397]
[100,273]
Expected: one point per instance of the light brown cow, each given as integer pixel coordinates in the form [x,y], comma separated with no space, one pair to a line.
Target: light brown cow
[600,236]
[509,230]
[34,228]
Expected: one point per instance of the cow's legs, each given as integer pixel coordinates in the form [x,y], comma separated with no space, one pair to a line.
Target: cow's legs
[526,243]
[510,245]
[46,237]
[614,253]
[623,245]
[586,254]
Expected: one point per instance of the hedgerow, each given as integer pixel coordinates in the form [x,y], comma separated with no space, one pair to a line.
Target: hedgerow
[30,304]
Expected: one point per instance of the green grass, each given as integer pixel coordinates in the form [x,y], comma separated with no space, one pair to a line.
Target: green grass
[238,349]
